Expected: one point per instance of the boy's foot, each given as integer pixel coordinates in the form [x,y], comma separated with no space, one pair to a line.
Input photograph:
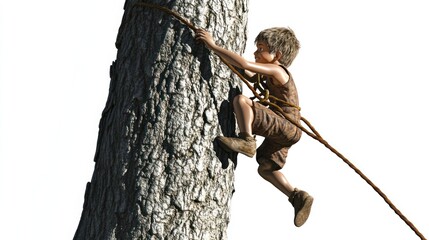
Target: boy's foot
[302,202]
[244,144]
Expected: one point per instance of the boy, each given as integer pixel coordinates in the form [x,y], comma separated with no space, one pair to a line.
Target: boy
[276,49]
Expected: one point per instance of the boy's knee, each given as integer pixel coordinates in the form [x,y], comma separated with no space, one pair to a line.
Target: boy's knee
[240,100]
[265,169]
[261,172]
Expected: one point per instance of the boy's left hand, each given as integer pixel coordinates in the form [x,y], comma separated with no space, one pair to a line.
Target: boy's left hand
[206,37]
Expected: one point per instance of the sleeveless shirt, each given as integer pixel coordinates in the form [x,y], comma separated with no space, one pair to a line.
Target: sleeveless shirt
[286,92]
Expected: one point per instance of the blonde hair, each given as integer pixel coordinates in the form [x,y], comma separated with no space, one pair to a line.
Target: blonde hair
[280,39]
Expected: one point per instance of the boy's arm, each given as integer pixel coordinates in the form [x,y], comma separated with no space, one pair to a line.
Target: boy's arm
[271,70]
[227,55]
[249,75]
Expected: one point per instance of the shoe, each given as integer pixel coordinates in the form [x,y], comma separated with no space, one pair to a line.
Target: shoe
[244,144]
[302,202]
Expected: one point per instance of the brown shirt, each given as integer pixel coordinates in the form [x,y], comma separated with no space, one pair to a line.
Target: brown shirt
[286,92]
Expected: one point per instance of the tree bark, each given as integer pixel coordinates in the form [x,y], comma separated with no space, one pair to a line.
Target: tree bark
[159,174]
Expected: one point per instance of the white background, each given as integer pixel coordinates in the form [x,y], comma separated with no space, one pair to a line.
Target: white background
[362,77]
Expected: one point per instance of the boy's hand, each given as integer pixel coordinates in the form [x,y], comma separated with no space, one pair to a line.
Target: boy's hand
[206,37]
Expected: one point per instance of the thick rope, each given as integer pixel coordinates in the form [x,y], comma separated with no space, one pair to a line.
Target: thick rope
[313,133]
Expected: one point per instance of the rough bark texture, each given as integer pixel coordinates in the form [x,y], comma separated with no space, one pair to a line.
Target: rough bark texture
[158,173]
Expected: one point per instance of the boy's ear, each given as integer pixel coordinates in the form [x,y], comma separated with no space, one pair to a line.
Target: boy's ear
[278,55]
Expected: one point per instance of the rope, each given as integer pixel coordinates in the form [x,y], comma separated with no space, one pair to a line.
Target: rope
[257,85]
[313,133]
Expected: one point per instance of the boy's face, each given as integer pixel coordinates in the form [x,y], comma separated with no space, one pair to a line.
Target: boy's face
[262,53]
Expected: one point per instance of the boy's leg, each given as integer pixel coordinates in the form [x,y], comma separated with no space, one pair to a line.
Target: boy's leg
[243,113]
[245,143]
[301,200]
[275,177]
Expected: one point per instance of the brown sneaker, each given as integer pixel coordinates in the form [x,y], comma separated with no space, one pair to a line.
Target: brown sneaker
[302,202]
[244,144]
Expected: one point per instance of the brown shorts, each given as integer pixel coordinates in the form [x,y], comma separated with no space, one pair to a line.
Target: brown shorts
[279,135]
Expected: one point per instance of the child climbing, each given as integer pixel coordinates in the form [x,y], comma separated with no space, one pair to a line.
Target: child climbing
[276,48]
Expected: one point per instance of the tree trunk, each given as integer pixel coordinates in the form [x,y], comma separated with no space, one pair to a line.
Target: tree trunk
[159,173]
